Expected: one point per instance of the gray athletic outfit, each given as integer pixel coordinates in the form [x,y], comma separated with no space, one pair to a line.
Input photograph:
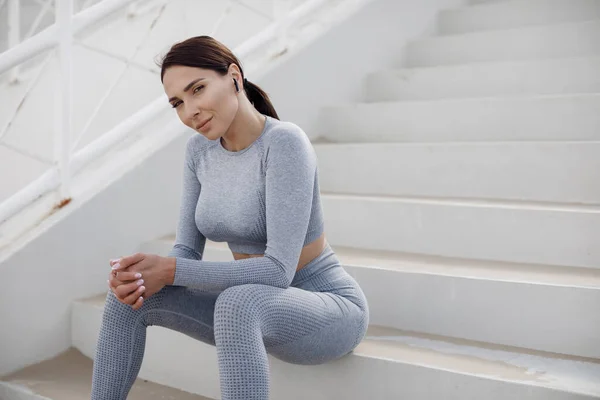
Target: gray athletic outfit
[263,199]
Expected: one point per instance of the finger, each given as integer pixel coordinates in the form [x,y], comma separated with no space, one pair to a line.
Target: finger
[114,282]
[138,303]
[127,276]
[126,289]
[112,289]
[128,261]
[114,261]
[133,297]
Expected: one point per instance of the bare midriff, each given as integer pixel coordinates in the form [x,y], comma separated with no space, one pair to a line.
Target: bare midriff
[309,252]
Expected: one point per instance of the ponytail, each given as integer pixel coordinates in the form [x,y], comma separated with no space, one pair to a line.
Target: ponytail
[259,99]
[208,53]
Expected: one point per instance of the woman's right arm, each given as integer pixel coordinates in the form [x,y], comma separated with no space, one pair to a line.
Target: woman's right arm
[189,242]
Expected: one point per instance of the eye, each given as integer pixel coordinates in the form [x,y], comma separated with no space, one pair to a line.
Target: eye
[197,89]
[177,103]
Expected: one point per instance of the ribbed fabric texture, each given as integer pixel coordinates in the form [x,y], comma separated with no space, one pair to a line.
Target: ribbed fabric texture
[263,199]
[321,317]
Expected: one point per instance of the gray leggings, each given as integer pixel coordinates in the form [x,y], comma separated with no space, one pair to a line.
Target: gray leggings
[321,317]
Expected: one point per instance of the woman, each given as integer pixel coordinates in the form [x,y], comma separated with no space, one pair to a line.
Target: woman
[250,180]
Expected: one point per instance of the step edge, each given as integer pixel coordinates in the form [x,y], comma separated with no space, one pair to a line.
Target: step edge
[468,269]
[510,99]
[471,203]
[466,35]
[490,64]
[370,348]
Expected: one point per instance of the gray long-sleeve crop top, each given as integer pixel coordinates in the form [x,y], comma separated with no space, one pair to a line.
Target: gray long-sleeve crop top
[263,199]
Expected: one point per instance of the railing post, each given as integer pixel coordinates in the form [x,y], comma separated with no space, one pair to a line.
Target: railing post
[14,34]
[63,136]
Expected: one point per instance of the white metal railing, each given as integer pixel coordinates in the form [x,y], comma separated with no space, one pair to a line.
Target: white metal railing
[14,29]
[60,36]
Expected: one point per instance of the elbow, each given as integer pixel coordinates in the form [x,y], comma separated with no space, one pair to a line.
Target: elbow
[283,280]
[283,275]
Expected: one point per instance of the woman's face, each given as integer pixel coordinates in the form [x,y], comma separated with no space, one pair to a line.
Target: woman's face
[205,100]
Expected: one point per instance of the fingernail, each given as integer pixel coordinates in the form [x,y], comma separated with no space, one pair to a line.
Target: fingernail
[142,288]
[138,275]
[116,266]
[139,283]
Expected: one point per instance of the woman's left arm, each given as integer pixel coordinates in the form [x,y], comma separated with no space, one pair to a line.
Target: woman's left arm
[291,168]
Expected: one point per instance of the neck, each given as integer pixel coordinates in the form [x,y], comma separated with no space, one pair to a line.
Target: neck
[245,128]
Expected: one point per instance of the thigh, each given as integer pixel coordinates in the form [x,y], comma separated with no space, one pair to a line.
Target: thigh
[300,326]
[188,311]
[326,327]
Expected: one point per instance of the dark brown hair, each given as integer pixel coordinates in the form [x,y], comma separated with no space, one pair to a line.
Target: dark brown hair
[208,53]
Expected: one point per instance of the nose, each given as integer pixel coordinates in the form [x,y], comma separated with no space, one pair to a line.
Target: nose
[192,114]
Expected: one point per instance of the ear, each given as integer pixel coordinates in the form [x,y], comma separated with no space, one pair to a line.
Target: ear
[234,72]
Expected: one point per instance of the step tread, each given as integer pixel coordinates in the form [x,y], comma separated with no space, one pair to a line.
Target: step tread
[495,4]
[456,267]
[498,362]
[457,68]
[592,23]
[471,203]
[577,11]
[568,373]
[474,269]
[68,376]
[510,99]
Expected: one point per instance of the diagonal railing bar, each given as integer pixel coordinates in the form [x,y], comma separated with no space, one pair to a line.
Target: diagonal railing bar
[46,8]
[48,38]
[61,35]
[116,81]
[30,85]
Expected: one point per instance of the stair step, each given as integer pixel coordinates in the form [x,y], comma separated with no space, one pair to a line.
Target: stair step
[515,14]
[388,364]
[578,39]
[559,117]
[534,77]
[474,2]
[436,297]
[563,172]
[481,230]
[68,376]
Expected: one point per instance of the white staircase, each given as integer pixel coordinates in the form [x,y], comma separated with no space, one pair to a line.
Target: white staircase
[463,196]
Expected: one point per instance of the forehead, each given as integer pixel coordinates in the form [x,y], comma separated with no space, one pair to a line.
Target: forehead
[177,77]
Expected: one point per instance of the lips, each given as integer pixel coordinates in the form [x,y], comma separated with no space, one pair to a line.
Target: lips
[202,124]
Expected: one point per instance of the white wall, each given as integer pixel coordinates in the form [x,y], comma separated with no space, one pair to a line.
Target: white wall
[67,257]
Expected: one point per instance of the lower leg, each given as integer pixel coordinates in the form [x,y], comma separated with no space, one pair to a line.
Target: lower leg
[294,325]
[122,338]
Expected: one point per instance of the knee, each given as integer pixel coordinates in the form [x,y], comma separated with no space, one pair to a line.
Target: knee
[238,304]
[117,313]
[112,305]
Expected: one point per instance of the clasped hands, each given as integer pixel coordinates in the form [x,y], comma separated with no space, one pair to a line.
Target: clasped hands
[137,277]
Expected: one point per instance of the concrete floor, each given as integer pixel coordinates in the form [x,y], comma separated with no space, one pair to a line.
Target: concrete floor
[69,377]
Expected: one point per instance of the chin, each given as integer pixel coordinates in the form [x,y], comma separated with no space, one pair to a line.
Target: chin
[210,135]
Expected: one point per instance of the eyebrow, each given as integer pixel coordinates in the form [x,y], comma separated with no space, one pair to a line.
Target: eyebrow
[189,85]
